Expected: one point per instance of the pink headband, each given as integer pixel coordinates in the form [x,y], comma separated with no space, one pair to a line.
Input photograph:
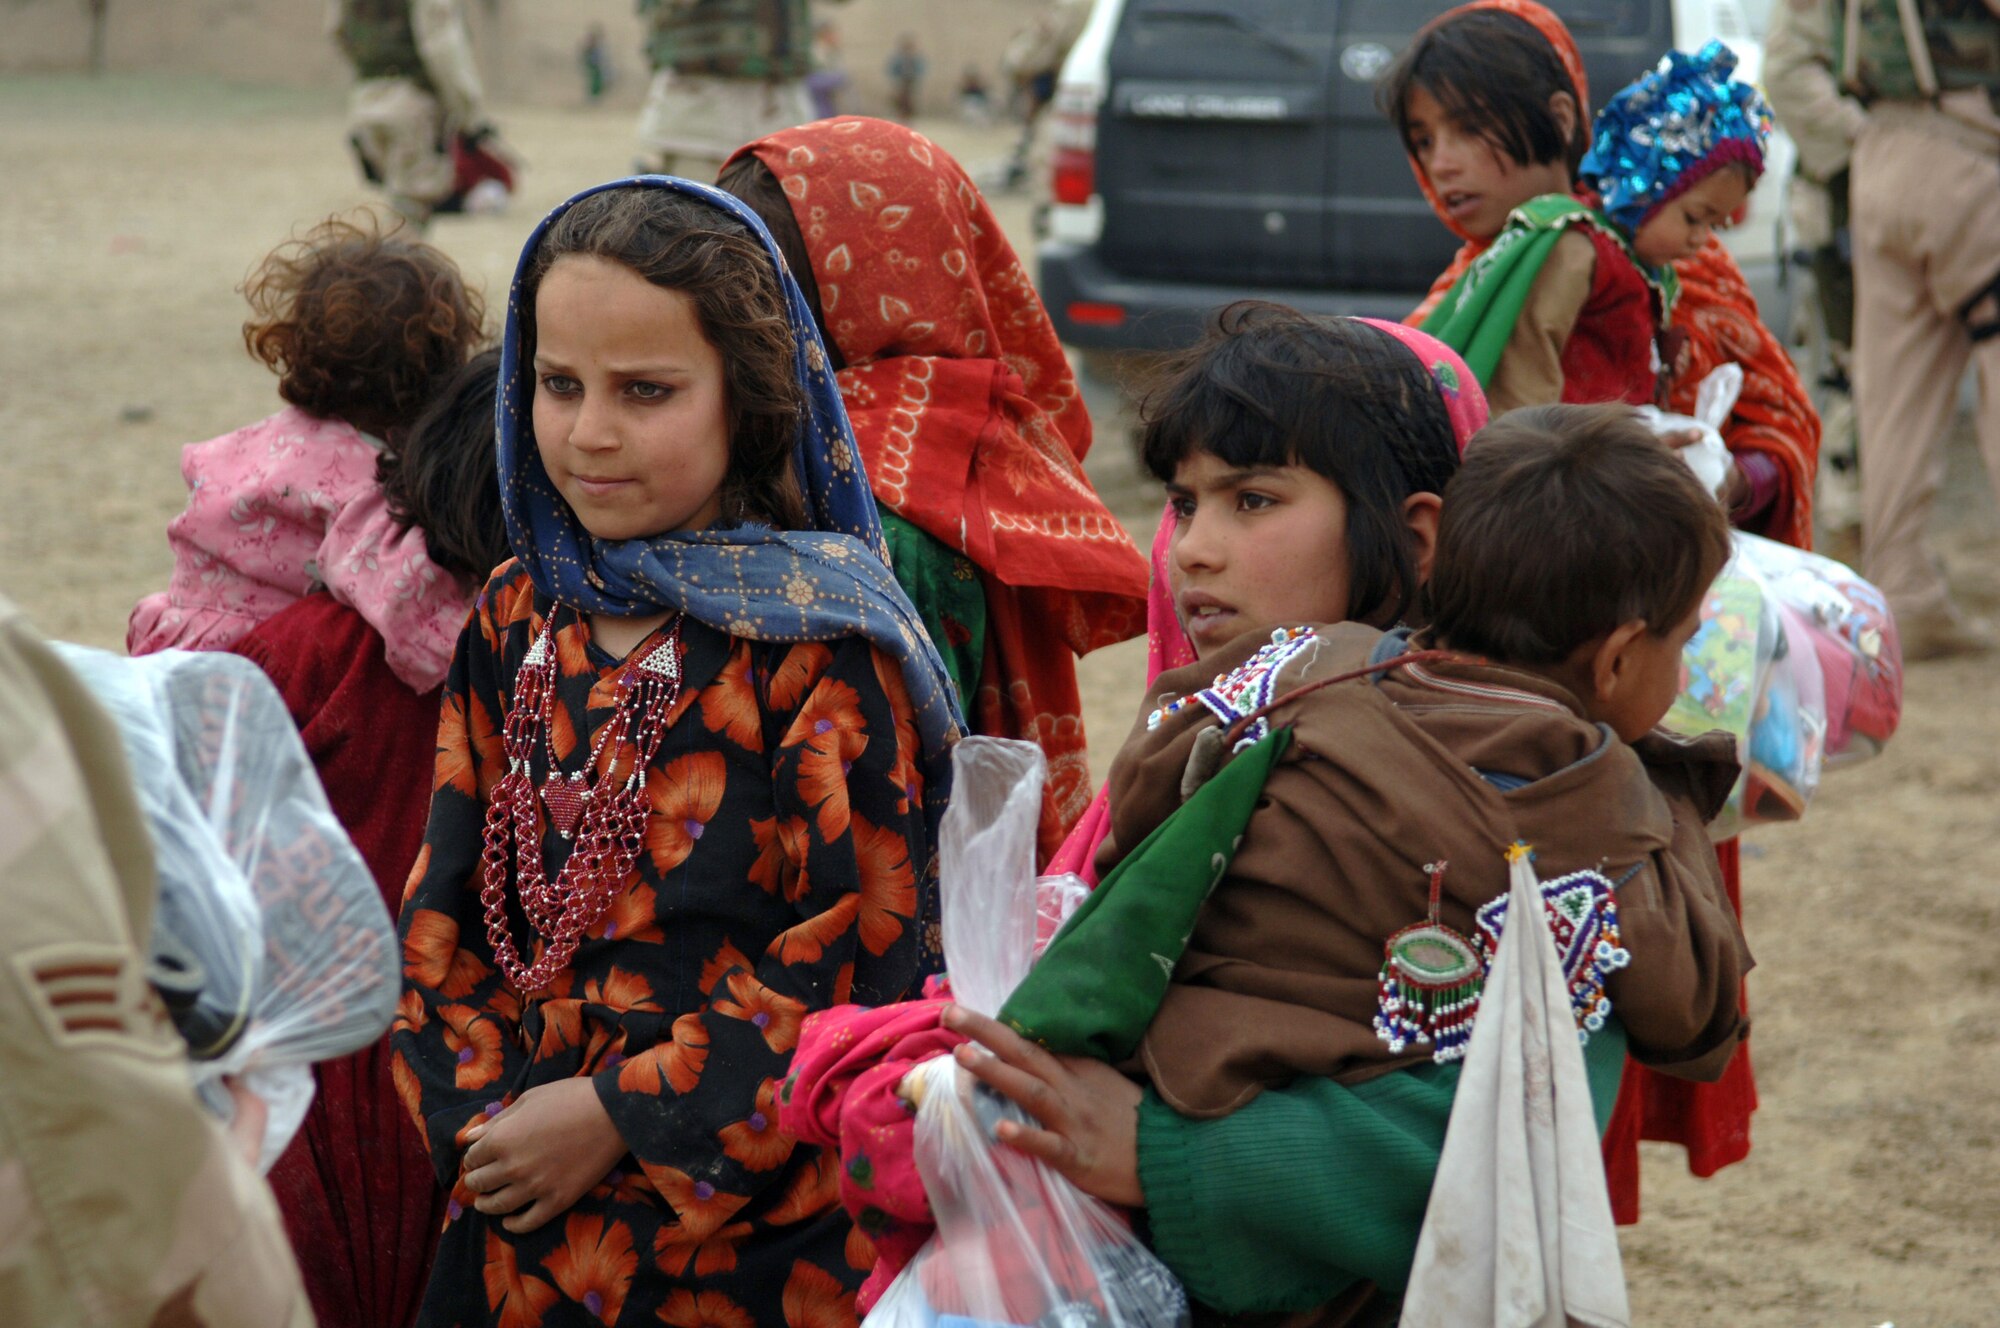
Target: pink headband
[1464,400]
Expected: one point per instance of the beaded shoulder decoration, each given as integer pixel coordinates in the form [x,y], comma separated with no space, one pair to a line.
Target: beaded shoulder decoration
[1432,977]
[1245,689]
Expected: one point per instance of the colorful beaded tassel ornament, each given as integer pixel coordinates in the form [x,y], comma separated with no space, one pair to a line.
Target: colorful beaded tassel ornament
[1582,909]
[1431,980]
[604,813]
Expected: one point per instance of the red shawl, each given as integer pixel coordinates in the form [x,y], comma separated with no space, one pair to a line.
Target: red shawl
[356,1189]
[1718,316]
[968,419]
[1715,309]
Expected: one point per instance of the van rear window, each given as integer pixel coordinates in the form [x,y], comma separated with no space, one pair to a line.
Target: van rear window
[1585,18]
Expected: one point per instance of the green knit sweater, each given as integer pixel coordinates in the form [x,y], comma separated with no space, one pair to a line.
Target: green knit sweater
[1287,1202]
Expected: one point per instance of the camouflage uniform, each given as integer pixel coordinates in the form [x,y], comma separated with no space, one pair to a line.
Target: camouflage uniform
[725,73]
[415,86]
[122,1201]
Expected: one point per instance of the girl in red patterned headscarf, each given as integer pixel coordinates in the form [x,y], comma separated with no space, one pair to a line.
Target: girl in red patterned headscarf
[969,423]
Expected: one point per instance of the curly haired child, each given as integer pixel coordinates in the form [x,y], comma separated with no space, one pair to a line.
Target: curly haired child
[361,326]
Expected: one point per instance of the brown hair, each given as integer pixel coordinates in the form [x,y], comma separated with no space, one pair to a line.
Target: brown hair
[360,324]
[443,476]
[683,244]
[750,180]
[1562,524]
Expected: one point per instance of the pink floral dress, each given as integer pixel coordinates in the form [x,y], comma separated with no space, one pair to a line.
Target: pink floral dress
[284,507]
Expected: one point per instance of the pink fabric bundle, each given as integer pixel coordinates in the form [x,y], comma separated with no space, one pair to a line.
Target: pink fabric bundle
[283,507]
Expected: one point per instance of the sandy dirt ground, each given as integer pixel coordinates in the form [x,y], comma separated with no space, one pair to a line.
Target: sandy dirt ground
[131,209]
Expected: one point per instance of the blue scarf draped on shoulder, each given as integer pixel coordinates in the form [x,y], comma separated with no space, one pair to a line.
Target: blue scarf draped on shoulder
[750,580]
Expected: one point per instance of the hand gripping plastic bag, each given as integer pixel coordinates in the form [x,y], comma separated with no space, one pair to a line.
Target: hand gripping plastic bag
[1797,658]
[1016,1243]
[1709,457]
[270,945]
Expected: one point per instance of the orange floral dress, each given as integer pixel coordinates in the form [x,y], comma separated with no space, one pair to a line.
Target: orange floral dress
[782,873]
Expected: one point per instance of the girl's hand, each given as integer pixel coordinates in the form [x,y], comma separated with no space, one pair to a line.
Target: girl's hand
[540,1155]
[1089,1111]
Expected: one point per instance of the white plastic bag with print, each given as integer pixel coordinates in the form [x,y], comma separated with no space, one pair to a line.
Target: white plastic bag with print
[271,944]
[1015,1243]
[1713,400]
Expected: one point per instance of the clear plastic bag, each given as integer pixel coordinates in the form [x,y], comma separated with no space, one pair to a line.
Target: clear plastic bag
[1797,658]
[270,941]
[1016,1243]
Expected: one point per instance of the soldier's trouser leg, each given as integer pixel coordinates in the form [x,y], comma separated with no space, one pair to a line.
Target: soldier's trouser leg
[1915,207]
[396,128]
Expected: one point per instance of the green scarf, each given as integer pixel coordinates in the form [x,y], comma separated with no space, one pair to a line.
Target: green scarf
[1101,980]
[1477,315]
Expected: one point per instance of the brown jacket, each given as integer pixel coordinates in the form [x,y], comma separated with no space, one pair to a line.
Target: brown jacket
[1280,976]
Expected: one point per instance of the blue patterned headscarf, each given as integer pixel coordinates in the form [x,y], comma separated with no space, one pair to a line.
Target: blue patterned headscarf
[1658,136]
[750,580]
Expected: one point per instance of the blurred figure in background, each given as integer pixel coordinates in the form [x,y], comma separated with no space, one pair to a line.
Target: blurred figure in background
[724,72]
[1926,210]
[1030,66]
[905,69]
[828,79]
[1804,90]
[975,100]
[595,59]
[416,117]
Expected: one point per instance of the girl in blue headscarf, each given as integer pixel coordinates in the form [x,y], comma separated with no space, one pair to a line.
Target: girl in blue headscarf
[689,773]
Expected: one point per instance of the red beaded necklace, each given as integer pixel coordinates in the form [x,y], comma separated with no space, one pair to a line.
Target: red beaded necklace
[604,814]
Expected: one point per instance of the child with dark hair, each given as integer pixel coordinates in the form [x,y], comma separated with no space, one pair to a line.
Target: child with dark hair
[361,327]
[1549,298]
[1573,292]
[440,478]
[688,777]
[1305,456]
[1523,712]
[1358,793]
[1494,115]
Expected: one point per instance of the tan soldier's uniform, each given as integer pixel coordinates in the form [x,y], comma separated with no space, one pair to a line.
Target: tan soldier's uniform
[1926,221]
[416,84]
[123,1204]
[1804,91]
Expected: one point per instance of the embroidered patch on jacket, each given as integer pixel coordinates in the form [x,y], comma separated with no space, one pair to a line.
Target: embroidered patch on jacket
[89,994]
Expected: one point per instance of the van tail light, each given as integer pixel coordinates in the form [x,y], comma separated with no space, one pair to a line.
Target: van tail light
[1073,138]
[1093,313]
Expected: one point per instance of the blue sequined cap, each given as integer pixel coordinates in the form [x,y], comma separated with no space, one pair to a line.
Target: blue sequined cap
[1663,133]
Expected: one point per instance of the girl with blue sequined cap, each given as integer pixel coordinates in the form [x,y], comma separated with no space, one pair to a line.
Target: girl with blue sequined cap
[692,756]
[1675,155]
